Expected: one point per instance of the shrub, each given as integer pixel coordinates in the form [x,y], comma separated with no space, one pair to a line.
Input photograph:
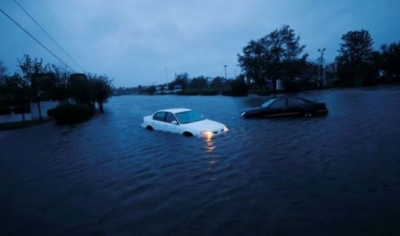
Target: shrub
[72,114]
[50,112]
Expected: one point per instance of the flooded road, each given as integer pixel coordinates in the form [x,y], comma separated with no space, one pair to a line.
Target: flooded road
[334,175]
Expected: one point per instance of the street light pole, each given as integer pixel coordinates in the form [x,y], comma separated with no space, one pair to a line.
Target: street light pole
[321,68]
[225,70]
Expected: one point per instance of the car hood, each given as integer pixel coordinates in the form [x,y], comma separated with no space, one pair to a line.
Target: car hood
[252,109]
[205,125]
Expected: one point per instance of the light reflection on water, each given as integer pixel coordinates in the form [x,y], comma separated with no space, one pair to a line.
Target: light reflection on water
[109,176]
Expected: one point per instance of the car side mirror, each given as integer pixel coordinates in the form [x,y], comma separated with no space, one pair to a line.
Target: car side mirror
[174,122]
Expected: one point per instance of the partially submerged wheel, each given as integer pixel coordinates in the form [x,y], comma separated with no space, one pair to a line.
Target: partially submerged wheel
[149,127]
[187,134]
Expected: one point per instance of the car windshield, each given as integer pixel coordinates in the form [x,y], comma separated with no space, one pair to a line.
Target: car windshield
[188,117]
[268,102]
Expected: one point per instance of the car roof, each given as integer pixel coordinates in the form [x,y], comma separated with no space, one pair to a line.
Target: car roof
[175,110]
[292,96]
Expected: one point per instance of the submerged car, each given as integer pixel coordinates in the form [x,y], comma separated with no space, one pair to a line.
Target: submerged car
[183,121]
[286,106]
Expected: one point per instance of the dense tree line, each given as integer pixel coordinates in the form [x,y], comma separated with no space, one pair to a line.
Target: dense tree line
[39,82]
[279,55]
[358,59]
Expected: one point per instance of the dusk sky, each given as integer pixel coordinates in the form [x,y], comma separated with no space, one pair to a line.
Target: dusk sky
[145,42]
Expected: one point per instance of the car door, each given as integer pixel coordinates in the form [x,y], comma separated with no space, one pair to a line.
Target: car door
[277,108]
[158,122]
[171,123]
[296,106]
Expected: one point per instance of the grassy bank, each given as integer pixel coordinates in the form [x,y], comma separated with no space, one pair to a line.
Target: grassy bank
[21,124]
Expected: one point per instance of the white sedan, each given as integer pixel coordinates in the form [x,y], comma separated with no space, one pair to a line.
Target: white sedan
[183,121]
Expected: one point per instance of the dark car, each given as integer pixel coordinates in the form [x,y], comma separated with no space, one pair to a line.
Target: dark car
[286,106]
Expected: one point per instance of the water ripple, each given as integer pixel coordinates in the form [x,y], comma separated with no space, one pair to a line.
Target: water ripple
[109,176]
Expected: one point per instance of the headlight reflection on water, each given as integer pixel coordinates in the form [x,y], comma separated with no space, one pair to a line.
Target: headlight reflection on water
[209,144]
[211,157]
[207,134]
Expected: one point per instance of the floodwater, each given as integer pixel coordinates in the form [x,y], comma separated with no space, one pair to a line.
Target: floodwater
[334,175]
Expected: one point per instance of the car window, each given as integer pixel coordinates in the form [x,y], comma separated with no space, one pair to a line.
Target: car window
[170,117]
[280,103]
[159,116]
[268,102]
[189,117]
[295,102]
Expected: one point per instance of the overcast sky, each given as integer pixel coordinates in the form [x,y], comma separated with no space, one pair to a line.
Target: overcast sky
[144,42]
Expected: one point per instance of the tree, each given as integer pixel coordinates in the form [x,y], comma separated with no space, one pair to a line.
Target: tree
[57,85]
[217,83]
[390,57]
[251,62]
[81,89]
[198,83]
[102,89]
[376,64]
[354,56]
[278,55]
[33,72]
[239,87]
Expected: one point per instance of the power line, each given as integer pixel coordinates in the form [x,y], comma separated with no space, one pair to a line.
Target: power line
[62,30]
[49,35]
[9,17]
[54,19]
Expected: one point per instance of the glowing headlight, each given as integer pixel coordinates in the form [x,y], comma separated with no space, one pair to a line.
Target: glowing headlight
[207,133]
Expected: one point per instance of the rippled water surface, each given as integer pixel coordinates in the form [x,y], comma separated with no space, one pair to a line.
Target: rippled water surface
[334,175]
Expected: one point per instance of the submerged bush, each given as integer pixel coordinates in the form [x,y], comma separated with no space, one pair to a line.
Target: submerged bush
[72,114]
